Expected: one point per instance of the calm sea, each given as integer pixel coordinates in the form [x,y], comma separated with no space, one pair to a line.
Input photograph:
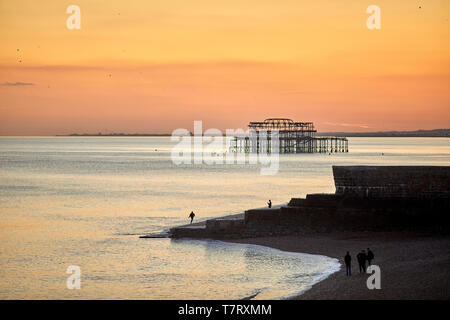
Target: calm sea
[84,201]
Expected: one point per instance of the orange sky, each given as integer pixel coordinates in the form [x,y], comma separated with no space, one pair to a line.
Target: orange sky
[157,65]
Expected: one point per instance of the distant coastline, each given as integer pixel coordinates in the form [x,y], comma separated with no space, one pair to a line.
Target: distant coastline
[442,133]
[115,135]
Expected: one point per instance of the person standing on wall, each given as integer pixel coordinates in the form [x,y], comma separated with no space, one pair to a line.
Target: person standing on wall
[192,215]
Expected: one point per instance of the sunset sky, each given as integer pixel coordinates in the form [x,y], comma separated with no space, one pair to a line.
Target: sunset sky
[151,66]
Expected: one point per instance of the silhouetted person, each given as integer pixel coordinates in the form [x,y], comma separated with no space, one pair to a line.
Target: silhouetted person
[362,257]
[348,264]
[192,215]
[370,256]
[269,204]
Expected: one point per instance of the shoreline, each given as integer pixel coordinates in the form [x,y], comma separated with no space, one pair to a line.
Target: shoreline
[413,266]
[276,251]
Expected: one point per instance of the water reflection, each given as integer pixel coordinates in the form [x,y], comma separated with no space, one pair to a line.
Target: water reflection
[84,201]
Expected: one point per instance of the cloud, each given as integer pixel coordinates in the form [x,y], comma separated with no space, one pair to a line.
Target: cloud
[17,84]
[121,65]
[297,92]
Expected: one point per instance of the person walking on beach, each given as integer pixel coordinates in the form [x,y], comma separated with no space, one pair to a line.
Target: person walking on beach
[348,264]
[370,256]
[361,257]
[269,204]
[192,215]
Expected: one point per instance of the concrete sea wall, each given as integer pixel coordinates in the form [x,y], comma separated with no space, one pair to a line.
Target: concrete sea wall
[392,181]
[367,198]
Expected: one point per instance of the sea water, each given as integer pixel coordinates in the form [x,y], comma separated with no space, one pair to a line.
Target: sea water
[84,201]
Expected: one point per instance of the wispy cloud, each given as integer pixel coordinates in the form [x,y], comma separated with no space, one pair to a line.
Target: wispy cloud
[17,84]
[297,92]
[354,125]
[123,65]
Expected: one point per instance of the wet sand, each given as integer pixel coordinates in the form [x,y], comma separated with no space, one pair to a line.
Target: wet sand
[413,266]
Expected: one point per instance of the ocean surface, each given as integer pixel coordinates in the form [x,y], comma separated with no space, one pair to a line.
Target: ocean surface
[84,201]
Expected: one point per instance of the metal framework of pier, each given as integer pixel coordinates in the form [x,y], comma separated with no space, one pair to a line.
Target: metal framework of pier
[293,137]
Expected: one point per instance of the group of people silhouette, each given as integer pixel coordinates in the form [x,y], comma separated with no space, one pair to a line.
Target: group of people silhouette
[363,257]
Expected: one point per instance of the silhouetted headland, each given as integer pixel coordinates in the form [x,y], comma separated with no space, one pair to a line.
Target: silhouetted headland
[443,133]
[115,135]
[416,133]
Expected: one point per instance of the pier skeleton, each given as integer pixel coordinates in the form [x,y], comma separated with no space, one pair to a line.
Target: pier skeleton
[293,137]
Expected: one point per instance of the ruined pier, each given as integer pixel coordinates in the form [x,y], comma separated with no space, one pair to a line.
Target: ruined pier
[286,136]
